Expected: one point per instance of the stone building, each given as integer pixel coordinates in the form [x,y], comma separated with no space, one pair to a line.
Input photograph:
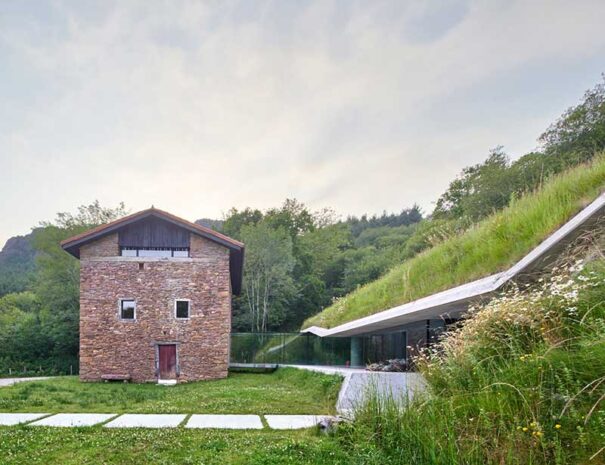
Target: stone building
[155,299]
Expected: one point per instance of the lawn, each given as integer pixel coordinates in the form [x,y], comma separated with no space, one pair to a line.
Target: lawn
[286,391]
[491,246]
[71,446]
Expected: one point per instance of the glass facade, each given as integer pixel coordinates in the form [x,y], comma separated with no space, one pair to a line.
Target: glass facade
[288,348]
[308,349]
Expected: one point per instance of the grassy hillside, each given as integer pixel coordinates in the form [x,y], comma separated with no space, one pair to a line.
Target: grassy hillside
[491,246]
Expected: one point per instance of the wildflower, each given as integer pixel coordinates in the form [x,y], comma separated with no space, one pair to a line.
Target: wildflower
[533,424]
[525,428]
[557,426]
[539,434]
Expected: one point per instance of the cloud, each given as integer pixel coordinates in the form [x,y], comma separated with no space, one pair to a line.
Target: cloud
[196,107]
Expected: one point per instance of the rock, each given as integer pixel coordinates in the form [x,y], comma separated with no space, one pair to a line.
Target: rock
[392,365]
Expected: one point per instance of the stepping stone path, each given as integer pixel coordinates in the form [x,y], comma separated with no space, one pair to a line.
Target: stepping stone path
[292,421]
[225,421]
[144,420]
[74,419]
[10,419]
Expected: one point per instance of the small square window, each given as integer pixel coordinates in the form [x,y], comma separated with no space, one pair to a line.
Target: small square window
[127,309]
[182,309]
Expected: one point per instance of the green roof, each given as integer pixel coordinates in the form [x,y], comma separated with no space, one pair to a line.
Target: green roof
[491,246]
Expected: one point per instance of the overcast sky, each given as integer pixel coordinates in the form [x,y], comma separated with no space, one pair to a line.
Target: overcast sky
[196,107]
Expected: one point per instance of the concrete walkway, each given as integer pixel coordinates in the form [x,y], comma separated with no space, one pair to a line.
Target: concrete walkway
[144,420]
[358,383]
[400,387]
[4,382]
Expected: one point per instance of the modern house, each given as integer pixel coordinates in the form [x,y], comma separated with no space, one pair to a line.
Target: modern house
[394,332]
[155,299]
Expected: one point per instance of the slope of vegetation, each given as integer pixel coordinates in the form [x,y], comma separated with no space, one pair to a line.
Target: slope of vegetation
[492,245]
[521,382]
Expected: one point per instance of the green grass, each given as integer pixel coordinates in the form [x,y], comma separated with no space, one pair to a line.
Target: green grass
[491,246]
[287,390]
[81,446]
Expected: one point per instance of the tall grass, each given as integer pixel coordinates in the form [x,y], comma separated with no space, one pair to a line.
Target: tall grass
[521,382]
[491,246]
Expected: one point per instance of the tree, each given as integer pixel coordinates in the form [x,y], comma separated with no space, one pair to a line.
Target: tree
[480,189]
[267,274]
[88,216]
[235,220]
[58,274]
[407,217]
[320,269]
[319,244]
[580,132]
[23,341]
[293,216]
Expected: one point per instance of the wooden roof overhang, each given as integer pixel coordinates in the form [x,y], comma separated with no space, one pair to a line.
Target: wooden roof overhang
[236,249]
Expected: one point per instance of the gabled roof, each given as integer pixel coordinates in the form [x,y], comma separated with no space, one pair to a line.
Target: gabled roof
[454,301]
[236,248]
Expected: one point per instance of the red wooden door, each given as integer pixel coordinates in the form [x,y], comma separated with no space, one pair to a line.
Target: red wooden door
[167,355]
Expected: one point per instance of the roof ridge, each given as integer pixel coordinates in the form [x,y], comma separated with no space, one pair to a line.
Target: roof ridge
[149,211]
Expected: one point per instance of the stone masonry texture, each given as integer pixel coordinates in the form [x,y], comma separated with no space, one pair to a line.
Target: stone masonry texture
[111,346]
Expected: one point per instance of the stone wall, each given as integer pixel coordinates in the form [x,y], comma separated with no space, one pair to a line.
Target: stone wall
[109,345]
[105,247]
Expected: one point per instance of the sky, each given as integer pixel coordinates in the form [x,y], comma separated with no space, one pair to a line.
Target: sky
[196,107]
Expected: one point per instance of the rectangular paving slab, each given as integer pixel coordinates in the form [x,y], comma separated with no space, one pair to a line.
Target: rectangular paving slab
[400,387]
[144,420]
[9,419]
[225,421]
[292,421]
[74,419]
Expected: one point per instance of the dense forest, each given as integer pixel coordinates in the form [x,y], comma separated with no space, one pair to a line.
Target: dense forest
[297,260]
